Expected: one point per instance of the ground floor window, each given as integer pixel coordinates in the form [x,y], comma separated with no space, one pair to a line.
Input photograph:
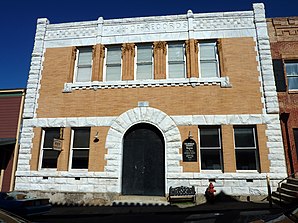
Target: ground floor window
[210,148]
[246,151]
[49,156]
[80,148]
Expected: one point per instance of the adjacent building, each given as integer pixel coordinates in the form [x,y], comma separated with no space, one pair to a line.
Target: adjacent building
[134,106]
[283,33]
[11,106]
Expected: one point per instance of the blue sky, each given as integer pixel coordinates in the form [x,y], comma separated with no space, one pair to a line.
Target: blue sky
[18,22]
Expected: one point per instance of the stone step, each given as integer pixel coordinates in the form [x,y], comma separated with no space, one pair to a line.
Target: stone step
[288,192]
[278,201]
[290,186]
[293,181]
[284,197]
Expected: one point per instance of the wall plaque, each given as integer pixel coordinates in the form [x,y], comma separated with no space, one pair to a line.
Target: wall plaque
[189,150]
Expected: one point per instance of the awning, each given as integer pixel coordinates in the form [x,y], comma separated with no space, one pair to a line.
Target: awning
[7,141]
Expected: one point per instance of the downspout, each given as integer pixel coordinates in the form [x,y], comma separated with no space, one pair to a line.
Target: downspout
[285,117]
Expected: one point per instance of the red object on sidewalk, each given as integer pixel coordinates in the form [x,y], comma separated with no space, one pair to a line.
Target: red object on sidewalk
[210,196]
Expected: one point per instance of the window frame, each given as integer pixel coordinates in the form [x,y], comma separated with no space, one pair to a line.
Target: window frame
[255,148]
[115,64]
[42,149]
[285,62]
[210,42]
[144,63]
[168,62]
[219,149]
[76,69]
[72,149]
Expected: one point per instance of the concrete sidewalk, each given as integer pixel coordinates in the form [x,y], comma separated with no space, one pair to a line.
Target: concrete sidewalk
[175,208]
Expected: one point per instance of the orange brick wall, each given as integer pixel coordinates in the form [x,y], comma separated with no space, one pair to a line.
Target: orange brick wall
[35,151]
[263,150]
[97,149]
[243,98]
[229,158]
[228,148]
[184,131]
[238,61]
[63,159]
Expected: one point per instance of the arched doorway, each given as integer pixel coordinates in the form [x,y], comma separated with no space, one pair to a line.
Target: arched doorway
[143,170]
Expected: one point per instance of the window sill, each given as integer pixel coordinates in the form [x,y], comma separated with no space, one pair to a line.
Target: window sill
[78,170]
[221,81]
[247,171]
[293,91]
[211,171]
[47,170]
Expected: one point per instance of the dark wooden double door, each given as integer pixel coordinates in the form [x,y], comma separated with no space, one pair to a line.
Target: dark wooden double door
[143,170]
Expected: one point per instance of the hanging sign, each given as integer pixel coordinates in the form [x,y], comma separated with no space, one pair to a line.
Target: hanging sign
[57,144]
[189,150]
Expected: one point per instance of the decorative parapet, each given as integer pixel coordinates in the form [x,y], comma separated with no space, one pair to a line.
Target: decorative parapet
[265,60]
[150,29]
[283,29]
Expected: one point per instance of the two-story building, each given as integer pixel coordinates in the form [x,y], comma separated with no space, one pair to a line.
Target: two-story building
[283,33]
[134,106]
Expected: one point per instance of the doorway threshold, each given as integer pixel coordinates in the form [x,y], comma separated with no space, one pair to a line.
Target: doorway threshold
[138,200]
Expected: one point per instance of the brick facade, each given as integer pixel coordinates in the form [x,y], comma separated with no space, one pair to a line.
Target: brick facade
[243,95]
[283,34]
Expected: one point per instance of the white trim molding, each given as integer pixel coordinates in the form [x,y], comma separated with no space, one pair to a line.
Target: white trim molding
[223,82]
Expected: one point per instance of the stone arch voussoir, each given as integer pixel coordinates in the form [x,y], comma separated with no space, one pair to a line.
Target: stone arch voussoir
[137,115]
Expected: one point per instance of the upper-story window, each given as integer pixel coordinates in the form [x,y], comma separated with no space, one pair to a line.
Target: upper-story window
[144,62]
[292,74]
[113,63]
[176,60]
[209,66]
[83,68]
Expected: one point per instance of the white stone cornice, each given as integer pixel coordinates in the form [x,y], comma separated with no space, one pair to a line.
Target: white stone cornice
[148,29]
